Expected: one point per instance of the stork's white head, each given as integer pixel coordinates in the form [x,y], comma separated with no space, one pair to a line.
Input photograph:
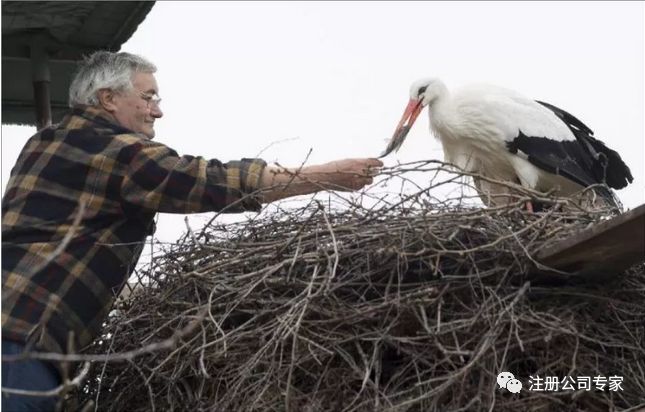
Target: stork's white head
[423,92]
[426,91]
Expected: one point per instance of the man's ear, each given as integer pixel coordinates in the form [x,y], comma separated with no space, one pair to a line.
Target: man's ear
[106,100]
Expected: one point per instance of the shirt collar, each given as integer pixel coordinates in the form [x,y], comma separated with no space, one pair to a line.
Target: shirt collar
[82,116]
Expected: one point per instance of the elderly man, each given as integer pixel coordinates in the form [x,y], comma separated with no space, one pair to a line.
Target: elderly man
[81,201]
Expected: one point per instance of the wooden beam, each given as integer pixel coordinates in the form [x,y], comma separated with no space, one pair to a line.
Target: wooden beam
[41,78]
[599,252]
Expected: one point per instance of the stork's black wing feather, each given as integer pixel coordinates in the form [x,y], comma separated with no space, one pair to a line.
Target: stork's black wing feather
[564,158]
[607,166]
[586,160]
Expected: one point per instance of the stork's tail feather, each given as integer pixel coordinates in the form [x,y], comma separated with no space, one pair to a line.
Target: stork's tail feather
[609,168]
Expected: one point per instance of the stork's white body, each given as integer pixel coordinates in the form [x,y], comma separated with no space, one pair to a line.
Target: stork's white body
[475,124]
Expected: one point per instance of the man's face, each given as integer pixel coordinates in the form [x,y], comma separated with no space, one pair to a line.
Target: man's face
[134,109]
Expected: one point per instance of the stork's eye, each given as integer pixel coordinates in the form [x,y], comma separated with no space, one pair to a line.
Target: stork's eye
[422,90]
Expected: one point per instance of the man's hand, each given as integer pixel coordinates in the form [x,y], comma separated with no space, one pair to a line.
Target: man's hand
[342,175]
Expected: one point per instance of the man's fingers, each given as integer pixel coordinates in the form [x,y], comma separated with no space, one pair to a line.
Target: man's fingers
[364,181]
[368,167]
[374,162]
[373,167]
[373,171]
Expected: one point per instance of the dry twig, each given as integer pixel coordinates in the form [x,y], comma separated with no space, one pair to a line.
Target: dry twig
[413,301]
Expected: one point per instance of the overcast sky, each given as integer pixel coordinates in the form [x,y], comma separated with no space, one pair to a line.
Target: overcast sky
[334,76]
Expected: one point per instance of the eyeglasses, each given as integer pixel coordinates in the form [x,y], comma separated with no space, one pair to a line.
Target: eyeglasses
[152,100]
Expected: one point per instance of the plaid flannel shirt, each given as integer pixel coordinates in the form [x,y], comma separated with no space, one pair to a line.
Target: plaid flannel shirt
[122,179]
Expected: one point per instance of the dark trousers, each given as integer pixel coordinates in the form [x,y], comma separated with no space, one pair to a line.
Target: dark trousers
[29,374]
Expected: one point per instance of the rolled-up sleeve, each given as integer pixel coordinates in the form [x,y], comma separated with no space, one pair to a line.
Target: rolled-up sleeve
[155,177]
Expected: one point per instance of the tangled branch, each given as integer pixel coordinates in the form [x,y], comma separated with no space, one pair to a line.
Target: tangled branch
[407,301]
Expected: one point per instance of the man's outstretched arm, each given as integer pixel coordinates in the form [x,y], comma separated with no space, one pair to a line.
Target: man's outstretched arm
[342,175]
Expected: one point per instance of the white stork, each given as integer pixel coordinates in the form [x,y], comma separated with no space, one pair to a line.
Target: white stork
[500,134]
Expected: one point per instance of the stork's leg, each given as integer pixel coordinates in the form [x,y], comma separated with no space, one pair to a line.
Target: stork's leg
[528,205]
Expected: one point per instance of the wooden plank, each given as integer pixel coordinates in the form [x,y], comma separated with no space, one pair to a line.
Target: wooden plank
[601,251]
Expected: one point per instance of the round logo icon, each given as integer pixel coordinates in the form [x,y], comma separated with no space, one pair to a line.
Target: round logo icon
[507,380]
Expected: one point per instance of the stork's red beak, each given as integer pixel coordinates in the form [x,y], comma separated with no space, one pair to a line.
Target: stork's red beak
[410,115]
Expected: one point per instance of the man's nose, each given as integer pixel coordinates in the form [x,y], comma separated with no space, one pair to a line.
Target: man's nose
[156,112]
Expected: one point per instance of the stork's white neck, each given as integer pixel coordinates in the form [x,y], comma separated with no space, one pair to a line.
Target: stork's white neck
[442,113]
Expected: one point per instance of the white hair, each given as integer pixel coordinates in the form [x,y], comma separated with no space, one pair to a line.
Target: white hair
[106,70]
